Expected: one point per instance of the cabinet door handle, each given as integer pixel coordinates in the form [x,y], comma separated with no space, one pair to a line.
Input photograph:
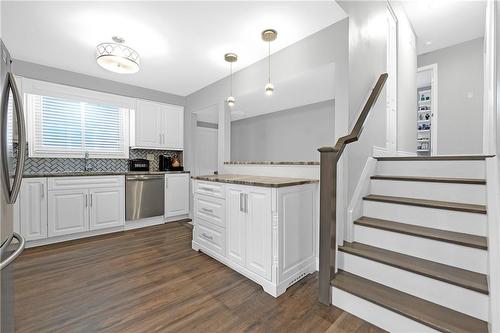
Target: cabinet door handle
[246,203]
[160,138]
[91,197]
[207,236]
[241,202]
[43,191]
[86,200]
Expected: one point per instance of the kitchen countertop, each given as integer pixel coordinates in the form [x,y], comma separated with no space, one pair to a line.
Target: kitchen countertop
[272,162]
[264,181]
[98,173]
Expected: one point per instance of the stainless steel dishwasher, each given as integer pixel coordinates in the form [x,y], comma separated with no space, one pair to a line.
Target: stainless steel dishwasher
[144,196]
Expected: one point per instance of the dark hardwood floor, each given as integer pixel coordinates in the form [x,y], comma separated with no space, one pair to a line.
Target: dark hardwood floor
[150,280]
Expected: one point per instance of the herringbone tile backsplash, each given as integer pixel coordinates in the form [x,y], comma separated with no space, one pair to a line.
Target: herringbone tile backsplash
[48,165]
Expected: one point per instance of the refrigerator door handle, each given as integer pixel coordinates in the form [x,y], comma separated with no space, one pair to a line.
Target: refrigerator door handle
[12,194]
[16,253]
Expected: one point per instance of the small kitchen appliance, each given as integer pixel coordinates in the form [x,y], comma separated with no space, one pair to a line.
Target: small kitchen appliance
[168,163]
[139,164]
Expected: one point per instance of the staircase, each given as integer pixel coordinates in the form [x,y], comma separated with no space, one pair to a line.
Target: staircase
[418,258]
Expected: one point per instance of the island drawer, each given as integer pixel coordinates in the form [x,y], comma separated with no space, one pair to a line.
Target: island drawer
[210,209]
[210,188]
[210,236]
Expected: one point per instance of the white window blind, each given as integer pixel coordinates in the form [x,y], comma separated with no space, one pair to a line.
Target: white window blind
[70,127]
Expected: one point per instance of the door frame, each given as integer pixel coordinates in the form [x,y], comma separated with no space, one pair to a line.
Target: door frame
[392,81]
[434,104]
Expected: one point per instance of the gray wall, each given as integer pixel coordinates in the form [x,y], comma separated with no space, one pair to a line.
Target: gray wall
[324,47]
[460,97]
[367,60]
[60,76]
[288,135]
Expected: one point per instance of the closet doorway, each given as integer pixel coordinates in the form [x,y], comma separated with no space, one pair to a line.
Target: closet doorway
[427,110]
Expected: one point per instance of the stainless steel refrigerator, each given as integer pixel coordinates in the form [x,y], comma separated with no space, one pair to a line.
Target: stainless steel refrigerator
[12,157]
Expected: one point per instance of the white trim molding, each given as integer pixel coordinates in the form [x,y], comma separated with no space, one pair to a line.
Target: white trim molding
[490,80]
[384,152]
[493,214]
[355,209]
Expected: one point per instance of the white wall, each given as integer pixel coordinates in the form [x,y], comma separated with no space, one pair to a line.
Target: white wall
[407,77]
[288,135]
[460,97]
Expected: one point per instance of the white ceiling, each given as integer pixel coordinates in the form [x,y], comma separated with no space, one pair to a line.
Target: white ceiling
[182,44]
[442,23]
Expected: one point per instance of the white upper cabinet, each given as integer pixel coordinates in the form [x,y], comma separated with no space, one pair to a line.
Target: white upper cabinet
[157,126]
[148,125]
[174,127]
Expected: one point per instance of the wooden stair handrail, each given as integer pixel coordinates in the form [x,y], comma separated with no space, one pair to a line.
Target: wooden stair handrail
[328,194]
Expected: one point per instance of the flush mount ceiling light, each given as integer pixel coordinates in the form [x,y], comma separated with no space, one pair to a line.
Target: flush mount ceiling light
[117,57]
[230,58]
[268,36]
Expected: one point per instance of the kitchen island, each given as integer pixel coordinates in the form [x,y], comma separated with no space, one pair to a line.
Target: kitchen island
[263,227]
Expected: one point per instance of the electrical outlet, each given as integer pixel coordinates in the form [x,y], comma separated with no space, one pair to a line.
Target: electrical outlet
[150,157]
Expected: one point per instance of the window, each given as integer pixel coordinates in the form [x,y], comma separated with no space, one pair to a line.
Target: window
[62,125]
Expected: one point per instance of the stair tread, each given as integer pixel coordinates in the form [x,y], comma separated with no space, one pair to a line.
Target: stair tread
[434,158]
[463,207]
[453,275]
[470,181]
[459,238]
[420,310]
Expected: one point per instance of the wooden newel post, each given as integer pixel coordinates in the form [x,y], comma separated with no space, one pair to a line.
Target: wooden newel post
[328,222]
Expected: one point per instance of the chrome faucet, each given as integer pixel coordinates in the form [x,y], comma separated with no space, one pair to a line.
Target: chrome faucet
[87,162]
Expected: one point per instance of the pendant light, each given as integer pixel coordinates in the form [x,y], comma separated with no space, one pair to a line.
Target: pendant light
[117,57]
[268,36]
[230,58]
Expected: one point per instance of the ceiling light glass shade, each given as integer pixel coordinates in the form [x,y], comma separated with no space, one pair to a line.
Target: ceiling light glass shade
[117,58]
[231,101]
[269,89]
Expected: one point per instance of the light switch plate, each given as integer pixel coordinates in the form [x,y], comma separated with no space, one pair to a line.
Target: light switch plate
[150,157]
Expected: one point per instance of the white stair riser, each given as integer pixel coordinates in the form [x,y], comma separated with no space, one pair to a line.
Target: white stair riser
[375,314]
[446,253]
[470,194]
[450,169]
[448,295]
[469,223]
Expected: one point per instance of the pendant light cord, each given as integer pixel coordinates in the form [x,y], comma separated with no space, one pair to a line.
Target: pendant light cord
[269,61]
[231,79]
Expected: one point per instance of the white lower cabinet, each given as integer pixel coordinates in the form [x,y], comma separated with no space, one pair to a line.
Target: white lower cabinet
[107,208]
[52,209]
[68,212]
[79,204]
[236,227]
[266,234]
[258,231]
[176,194]
[32,209]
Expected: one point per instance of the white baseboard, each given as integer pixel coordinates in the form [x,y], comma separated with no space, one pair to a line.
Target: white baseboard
[148,222]
[383,152]
[65,238]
